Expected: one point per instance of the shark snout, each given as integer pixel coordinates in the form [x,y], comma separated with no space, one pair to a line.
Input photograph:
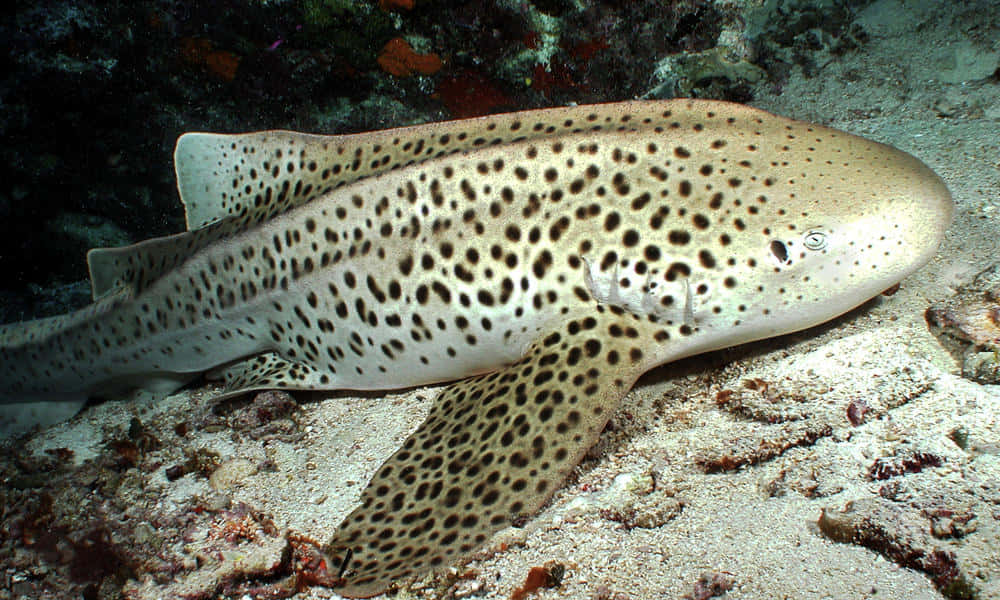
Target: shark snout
[922,212]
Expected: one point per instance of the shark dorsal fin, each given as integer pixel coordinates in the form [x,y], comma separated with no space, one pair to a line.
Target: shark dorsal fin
[252,177]
[134,267]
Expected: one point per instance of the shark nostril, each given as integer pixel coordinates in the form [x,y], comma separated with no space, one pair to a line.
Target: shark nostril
[779,251]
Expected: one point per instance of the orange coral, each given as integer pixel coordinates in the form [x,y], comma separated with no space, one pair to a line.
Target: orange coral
[193,50]
[221,63]
[587,50]
[548,576]
[388,5]
[471,94]
[558,76]
[536,579]
[398,58]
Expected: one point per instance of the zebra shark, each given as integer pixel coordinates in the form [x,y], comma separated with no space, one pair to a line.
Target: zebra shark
[544,258]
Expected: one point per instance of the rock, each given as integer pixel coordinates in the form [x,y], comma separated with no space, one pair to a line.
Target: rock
[230,473]
[968,326]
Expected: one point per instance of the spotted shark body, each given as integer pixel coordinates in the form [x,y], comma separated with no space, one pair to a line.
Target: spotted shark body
[546,258]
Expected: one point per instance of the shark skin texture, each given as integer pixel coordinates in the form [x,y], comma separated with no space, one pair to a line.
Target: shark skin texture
[546,259]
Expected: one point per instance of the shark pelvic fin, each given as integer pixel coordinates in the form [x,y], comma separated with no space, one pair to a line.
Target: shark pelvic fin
[267,371]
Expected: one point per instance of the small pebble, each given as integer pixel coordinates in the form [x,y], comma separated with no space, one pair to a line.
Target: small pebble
[231,472]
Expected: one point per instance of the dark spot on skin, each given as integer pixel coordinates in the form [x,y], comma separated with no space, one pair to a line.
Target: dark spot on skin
[679,237]
[611,221]
[641,201]
[677,269]
[557,229]
[609,259]
[706,259]
[485,298]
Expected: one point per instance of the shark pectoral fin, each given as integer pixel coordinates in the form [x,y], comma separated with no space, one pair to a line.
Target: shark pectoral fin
[267,371]
[492,450]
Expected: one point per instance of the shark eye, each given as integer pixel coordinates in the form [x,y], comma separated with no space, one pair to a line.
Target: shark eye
[814,240]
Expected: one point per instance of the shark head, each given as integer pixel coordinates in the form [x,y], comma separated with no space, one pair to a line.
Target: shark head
[850,219]
[873,215]
[767,225]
